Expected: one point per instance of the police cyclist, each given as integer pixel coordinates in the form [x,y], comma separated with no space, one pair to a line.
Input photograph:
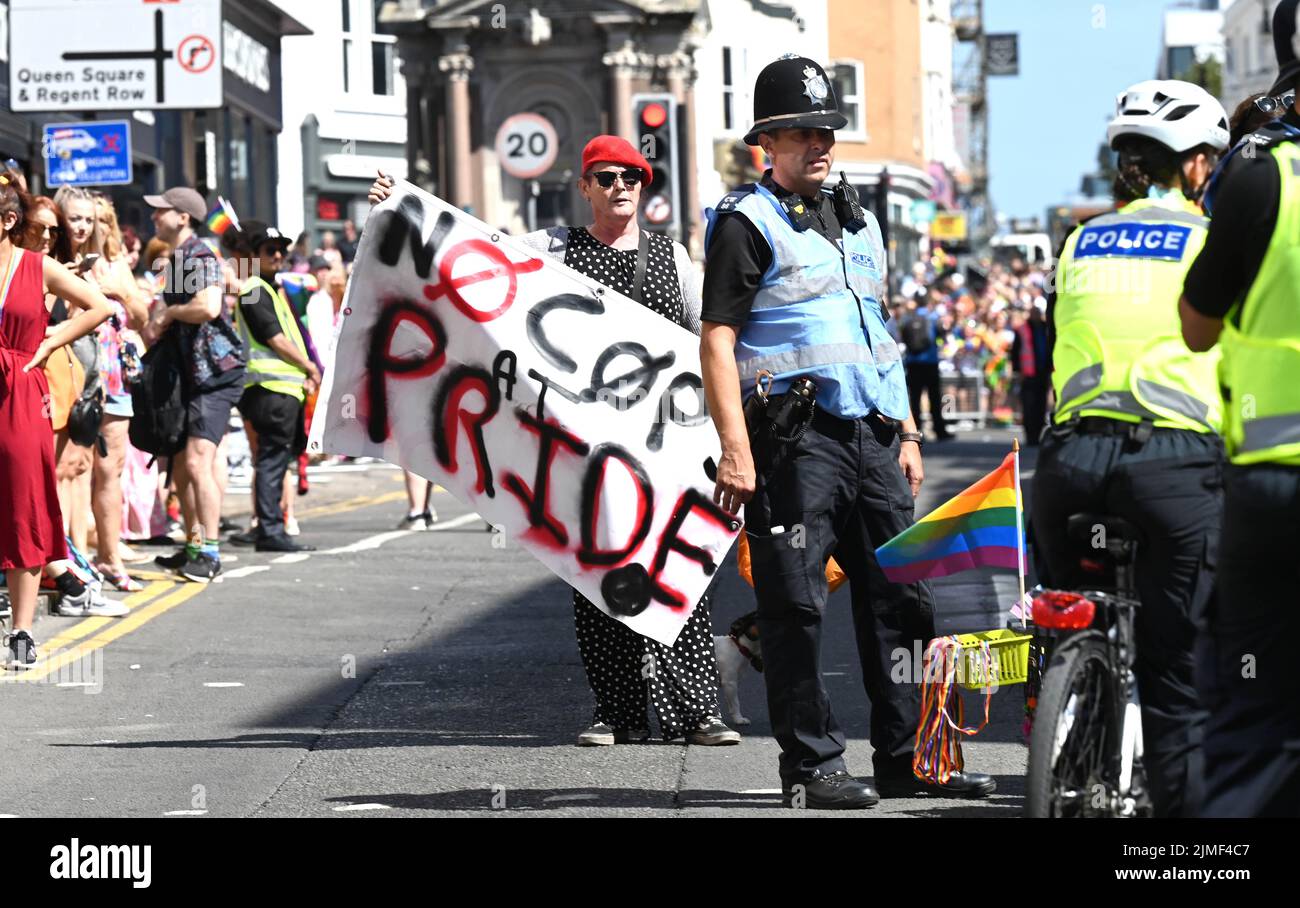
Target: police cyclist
[793,289]
[1136,430]
[1241,293]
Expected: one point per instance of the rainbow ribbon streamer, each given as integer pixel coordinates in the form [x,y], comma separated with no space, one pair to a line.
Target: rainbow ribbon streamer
[936,754]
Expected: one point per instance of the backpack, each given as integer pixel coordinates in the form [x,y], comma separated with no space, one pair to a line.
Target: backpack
[916,335]
[158,426]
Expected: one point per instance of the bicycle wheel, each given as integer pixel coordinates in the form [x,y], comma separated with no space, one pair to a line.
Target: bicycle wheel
[1075,734]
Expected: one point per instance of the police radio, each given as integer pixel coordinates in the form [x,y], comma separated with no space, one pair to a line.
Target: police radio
[847,207]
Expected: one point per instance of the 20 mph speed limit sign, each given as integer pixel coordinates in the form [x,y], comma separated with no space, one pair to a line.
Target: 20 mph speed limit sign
[527,145]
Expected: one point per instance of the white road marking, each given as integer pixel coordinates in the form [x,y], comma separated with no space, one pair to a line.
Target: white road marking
[761,791]
[369,542]
[291,558]
[244,571]
[77,684]
[455,522]
[223,684]
[571,797]
[185,813]
[344,807]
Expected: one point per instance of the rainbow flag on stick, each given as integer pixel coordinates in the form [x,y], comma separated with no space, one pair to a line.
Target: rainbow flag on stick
[981,527]
[222,217]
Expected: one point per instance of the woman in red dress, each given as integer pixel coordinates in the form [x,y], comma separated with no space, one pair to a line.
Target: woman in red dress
[32,535]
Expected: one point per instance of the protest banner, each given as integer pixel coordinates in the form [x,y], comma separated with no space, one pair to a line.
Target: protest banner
[568,416]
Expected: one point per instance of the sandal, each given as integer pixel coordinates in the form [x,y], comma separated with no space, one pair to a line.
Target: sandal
[120,581]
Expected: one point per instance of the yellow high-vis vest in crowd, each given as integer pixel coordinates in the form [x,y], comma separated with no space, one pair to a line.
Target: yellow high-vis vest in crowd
[265,368]
[1261,340]
[1119,349]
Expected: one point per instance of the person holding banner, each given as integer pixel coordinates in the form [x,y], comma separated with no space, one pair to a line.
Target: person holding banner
[794,293]
[625,669]
[1136,432]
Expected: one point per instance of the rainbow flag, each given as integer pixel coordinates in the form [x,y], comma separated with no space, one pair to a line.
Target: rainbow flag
[222,217]
[978,528]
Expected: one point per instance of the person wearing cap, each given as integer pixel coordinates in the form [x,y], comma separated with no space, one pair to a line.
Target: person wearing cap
[1136,430]
[212,355]
[794,288]
[657,272]
[280,375]
[1241,294]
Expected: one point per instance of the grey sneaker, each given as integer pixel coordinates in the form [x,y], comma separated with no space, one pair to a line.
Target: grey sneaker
[599,735]
[89,605]
[712,732]
[20,651]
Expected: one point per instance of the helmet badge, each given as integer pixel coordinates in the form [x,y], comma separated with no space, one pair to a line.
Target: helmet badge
[815,87]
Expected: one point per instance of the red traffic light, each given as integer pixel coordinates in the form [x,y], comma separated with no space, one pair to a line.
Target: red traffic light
[654,115]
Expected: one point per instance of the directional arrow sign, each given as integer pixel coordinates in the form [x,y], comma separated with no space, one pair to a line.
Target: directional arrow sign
[114,54]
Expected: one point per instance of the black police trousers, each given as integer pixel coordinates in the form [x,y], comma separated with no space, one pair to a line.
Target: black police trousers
[837,491]
[278,421]
[1170,489]
[1252,744]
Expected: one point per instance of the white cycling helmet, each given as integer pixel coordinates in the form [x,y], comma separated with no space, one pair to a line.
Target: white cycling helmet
[1178,115]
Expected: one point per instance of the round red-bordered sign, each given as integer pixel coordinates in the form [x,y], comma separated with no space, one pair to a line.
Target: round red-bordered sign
[527,145]
[196,54]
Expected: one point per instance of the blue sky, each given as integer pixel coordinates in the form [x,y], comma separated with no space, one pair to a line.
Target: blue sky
[1045,124]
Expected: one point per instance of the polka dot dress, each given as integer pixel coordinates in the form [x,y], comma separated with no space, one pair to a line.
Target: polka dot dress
[628,672]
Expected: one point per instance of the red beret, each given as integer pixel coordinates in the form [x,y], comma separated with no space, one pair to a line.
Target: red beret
[615,150]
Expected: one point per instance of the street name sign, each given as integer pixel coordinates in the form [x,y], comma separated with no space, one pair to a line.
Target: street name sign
[76,55]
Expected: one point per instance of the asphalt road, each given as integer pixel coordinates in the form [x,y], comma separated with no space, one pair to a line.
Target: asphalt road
[417,674]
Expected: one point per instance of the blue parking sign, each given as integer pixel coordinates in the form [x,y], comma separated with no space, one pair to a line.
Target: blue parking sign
[97,153]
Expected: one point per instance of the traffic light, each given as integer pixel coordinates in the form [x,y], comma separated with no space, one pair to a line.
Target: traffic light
[655,117]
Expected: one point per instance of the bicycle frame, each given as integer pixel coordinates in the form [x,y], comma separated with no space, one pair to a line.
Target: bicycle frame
[1114,624]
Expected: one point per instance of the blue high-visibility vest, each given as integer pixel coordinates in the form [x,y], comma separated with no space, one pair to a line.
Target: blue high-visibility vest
[818,313]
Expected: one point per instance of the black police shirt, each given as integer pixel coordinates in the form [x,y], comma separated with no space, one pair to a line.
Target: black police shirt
[739,254]
[1245,213]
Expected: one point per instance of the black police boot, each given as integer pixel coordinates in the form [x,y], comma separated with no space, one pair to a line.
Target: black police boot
[834,791]
[959,785]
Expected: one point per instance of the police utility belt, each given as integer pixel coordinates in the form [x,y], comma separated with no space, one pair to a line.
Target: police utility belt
[1136,434]
[776,421]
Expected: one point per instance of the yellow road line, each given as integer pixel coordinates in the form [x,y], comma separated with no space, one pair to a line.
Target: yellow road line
[58,652]
[351,504]
[56,660]
[85,626]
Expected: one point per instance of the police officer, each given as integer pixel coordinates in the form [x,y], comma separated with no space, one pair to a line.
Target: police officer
[794,288]
[1241,292]
[280,373]
[1136,430]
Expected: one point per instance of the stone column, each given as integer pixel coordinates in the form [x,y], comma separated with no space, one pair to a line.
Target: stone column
[622,63]
[457,66]
[681,82]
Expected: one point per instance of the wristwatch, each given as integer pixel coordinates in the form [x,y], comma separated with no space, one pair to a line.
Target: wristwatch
[912,436]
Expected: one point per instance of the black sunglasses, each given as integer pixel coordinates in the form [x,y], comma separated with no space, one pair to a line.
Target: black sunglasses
[1272,105]
[631,177]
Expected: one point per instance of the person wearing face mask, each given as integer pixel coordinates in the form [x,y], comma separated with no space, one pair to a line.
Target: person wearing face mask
[280,375]
[795,292]
[1136,431]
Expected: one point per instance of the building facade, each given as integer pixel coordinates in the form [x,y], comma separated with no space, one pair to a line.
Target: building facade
[472,64]
[1249,63]
[344,115]
[893,72]
[231,150]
